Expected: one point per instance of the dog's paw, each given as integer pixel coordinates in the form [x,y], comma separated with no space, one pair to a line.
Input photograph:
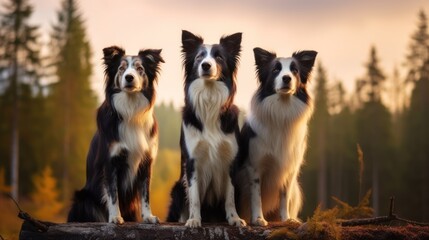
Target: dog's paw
[236,221]
[150,219]
[116,219]
[193,223]
[260,221]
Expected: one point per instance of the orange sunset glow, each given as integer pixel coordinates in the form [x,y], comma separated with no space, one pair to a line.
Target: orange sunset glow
[341,31]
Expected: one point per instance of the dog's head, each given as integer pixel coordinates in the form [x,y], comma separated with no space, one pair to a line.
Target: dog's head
[283,75]
[210,61]
[130,73]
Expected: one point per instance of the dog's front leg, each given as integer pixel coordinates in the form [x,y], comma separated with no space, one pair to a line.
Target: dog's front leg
[147,215]
[193,198]
[284,214]
[231,211]
[112,183]
[255,198]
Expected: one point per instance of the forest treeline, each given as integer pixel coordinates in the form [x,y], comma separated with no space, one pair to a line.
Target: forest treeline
[375,138]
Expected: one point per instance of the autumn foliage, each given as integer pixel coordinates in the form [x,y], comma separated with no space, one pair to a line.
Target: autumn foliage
[45,196]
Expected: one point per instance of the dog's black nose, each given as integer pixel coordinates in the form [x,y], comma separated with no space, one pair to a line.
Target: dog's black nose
[206,66]
[129,78]
[286,79]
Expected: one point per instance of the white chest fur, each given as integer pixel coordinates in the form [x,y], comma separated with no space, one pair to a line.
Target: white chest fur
[281,128]
[134,130]
[211,149]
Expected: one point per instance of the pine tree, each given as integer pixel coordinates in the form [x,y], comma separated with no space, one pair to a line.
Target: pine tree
[418,49]
[45,196]
[19,62]
[314,172]
[343,168]
[318,134]
[374,129]
[72,99]
[416,129]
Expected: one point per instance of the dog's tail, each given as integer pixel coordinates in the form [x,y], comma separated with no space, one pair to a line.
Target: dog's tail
[85,208]
[178,199]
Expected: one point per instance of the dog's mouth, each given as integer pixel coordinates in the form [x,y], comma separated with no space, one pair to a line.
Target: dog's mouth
[209,76]
[130,88]
[285,90]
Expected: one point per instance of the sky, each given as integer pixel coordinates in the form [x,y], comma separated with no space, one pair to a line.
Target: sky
[341,31]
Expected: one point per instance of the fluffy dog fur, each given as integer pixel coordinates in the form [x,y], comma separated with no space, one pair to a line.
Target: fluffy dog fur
[273,138]
[209,133]
[125,145]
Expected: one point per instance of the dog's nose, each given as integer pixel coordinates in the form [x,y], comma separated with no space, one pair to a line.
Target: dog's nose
[206,66]
[129,78]
[286,79]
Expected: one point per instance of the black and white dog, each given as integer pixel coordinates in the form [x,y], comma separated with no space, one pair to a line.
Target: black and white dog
[273,138]
[209,133]
[125,145]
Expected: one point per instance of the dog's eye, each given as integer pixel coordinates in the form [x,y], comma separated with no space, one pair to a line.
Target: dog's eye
[276,70]
[121,69]
[140,69]
[199,57]
[294,68]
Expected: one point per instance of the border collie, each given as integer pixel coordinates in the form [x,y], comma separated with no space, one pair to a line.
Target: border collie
[125,145]
[209,133]
[273,138]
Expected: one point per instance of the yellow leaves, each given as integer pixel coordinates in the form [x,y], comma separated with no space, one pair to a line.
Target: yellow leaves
[45,196]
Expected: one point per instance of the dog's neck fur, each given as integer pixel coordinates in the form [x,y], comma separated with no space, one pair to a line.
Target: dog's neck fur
[132,107]
[276,111]
[207,98]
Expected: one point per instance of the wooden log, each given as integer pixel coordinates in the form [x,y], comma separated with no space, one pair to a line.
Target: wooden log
[170,231]
[176,231]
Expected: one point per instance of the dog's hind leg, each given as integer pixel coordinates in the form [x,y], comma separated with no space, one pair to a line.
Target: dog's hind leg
[84,209]
[178,212]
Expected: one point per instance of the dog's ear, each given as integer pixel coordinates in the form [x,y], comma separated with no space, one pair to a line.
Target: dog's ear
[151,55]
[190,42]
[232,44]
[112,53]
[262,58]
[151,59]
[112,57]
[306,61]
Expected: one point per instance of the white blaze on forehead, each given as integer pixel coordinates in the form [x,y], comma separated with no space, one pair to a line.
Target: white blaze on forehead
[285,71]
[208,58]
[129,62]
[208,49]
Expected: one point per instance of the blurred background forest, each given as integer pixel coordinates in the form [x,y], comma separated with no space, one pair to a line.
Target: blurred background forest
[374,138]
